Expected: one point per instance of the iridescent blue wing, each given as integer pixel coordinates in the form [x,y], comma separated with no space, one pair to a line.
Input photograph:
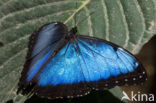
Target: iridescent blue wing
[62,76]
[43,44]
[87,63]
[115,65]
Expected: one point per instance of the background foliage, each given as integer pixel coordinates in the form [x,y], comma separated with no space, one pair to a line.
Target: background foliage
[128,23]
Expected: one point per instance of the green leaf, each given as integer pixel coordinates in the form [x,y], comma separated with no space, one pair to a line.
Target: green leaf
[128,23]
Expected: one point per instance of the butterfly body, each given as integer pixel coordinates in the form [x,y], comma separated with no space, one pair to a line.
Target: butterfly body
[60,63]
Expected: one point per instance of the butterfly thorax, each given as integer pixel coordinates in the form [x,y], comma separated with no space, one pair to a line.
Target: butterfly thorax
[71,33]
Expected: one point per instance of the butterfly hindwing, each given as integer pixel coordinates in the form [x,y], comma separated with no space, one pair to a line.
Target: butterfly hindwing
[116,65]
[87,63]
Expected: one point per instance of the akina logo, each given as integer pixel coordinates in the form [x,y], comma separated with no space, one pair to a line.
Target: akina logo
[138,97]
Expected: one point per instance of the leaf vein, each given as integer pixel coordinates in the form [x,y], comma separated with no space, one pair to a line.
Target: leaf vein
[34,20]
[11,58]
[77,10]
[106,19]
[134,50]
[125,23]
[35,7]
[89,21]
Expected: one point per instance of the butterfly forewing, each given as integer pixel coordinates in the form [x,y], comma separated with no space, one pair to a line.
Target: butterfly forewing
[42,44]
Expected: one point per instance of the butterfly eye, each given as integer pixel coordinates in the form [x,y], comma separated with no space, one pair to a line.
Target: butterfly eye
[73,30]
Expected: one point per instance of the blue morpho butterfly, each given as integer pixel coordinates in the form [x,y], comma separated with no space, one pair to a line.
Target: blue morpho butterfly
[60,63]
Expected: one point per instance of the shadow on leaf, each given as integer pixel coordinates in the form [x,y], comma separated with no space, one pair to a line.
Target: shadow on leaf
[93,97]
[10,101]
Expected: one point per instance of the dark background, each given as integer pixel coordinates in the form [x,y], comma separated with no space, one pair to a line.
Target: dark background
[147,56]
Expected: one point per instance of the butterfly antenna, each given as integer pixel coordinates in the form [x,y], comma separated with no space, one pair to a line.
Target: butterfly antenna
[75,15]
[86,18]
